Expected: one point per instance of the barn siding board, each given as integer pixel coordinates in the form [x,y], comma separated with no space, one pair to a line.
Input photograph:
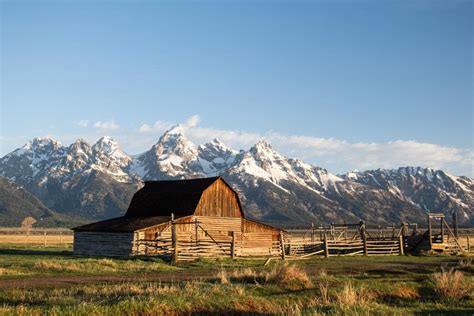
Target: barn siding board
[104,244]
[219,200]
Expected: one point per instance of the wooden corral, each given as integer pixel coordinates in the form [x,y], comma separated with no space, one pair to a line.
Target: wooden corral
[439,237]
[181,220]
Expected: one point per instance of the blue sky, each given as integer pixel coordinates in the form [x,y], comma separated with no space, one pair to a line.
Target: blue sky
[341,84]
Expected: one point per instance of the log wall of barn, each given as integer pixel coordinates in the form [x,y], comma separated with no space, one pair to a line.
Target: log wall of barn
[251,238]
[103,244]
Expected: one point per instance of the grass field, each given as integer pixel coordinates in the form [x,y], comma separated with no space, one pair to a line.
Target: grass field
[37,280]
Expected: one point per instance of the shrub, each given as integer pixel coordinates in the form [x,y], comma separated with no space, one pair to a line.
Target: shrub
[349,295]
[450,284]
[289,276]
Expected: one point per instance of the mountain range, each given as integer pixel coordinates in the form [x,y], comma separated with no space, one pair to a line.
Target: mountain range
[94,182]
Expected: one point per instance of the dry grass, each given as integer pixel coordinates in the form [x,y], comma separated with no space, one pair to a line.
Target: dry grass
[12,271]
[289,276]
[451,284]
[324,291]
[403,291]
[350,296]
[221,276]
[284,275]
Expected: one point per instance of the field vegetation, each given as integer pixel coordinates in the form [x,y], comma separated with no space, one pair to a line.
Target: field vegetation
[52,281]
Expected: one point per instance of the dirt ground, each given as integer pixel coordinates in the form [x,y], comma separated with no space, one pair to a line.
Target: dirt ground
[332,266]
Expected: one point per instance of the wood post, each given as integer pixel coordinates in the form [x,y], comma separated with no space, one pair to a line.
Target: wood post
[429,232]
[312,232]
[442,231]
[44,237]
[232,247]
[174,242]
[282,245]
[402,246]
[196,231]
[364,240]
[326,247]
[60,237]
[468,245]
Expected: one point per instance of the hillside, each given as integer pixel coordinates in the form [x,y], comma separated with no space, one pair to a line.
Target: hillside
[16,204]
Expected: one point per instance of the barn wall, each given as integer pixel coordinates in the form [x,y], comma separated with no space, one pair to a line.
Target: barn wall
[103,244]
[219,200]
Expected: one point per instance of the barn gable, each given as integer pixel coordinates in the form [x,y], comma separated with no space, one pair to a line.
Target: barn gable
[219,200]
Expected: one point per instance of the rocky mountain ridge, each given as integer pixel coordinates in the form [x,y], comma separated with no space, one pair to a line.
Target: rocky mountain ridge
[97,181]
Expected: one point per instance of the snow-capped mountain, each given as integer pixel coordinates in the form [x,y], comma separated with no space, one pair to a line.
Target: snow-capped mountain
[428,189]
[98,181]
[83,180]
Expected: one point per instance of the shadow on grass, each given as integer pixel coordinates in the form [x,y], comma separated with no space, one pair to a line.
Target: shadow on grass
[36,252]
[453,311]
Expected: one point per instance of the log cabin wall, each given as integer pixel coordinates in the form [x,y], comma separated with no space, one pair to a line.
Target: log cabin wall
[219,200]
[259,239]
[103,244]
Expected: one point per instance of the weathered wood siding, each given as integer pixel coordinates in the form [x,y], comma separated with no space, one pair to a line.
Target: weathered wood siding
[219,200]
[103,244]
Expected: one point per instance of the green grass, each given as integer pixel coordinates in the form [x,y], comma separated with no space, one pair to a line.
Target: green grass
[354,285]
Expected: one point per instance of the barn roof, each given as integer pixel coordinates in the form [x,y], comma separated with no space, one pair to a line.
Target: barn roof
[161,198]
[124,224]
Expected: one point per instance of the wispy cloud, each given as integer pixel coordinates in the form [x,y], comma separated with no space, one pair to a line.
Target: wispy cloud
[106,125]
[193,121]
[83,123]
[158,126]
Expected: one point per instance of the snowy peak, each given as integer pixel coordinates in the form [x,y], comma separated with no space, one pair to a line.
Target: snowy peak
[172,156]
[174,142]
[215,157]
[39,143]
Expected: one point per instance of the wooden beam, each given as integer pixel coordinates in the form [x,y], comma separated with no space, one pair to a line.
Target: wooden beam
[282,245]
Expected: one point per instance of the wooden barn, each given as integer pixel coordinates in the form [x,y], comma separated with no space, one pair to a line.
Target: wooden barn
[182,220]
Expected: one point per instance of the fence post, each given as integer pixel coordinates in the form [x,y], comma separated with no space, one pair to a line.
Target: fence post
[429,232]
[282,245]
[44,237]
[326,247]
[174,241]
[196,231]
[402,245]
[232,247]
[60,237]
[468,245]
[364,240]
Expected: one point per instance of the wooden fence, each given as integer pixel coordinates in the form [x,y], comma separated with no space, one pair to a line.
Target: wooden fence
[37,236]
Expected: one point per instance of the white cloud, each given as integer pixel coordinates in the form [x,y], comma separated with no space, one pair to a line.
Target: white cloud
[337,155]
[83,123]
[192,121]
[158,126]
[106,125]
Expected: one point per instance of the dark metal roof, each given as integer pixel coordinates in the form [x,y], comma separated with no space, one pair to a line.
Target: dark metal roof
[124,224]
[161,198]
